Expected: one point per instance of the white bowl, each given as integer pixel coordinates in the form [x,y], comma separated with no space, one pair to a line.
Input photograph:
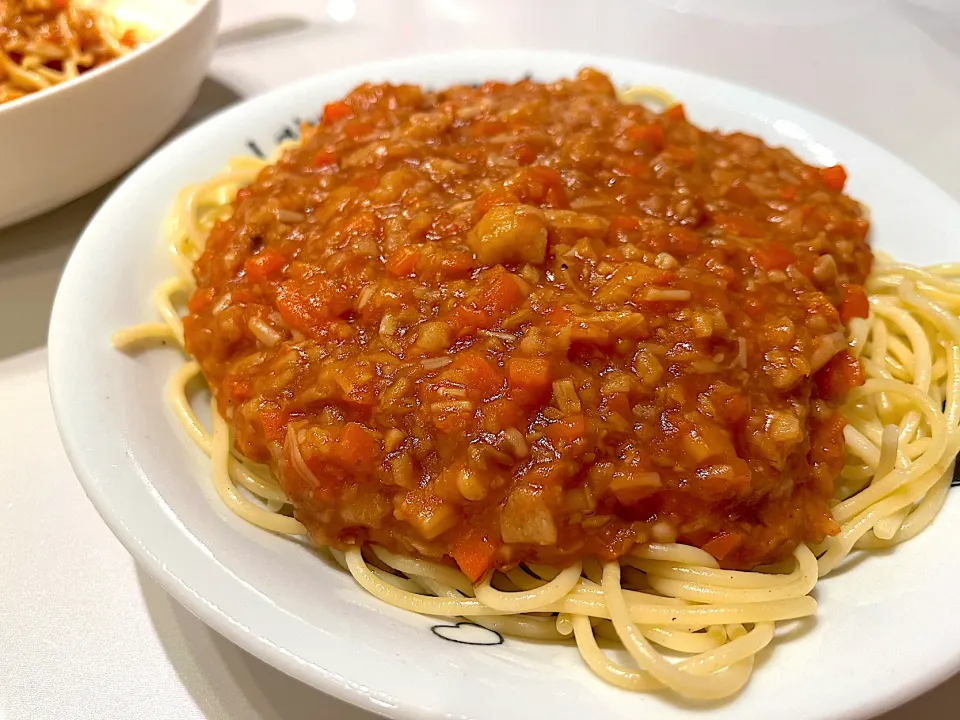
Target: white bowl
[60,143]
[886,629]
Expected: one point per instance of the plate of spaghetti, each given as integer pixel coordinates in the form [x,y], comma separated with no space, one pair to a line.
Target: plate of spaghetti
[490,385]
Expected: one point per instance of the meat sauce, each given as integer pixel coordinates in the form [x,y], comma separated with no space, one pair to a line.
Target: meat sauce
[531,323]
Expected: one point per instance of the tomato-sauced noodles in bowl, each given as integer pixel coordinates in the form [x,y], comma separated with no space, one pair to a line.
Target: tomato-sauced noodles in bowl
[46,42]
[542,357]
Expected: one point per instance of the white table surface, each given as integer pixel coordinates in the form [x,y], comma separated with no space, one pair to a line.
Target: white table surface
[83,632]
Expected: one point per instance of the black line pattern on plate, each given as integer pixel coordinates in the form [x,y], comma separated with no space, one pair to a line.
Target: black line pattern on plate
[449,632]
[290,131]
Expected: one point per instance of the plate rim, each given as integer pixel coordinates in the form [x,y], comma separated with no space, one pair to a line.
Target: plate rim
[258,644]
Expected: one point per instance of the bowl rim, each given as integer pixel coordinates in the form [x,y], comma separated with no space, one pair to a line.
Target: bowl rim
[196,8]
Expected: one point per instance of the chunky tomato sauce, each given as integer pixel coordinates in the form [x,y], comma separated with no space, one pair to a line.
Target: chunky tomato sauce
[530,323]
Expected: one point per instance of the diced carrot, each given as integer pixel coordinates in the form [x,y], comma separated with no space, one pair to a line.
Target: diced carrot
[468,154]
[734,408]
[403,261]
[551,180]
[723,544]
[525,153]
[683,241]
[839,376]
[540,185]
[788,192]
[237,387]
[357,446]
[819,304]
[501,414]
[453,418]
[715,298]
[295,310]
[335,111]
[324,158]
[529,373]
[362,224]
[624,223]
[664,278]
[366,181]
[493,86]
[618,403]
[274,424]
[128,39]
[492,198]
[357,130]
[753,306]
[853,228]
[357,385]
[632,167]
[487,128]
[567,430]
[740,194]
[739,225]
[834,177]
[544,474]
[467,317]
[474,553]
[860,228]
[240,294]
[557,316]
[773,256]
[201,300]
[826,452]
[496,299]
[651,134]
[266,265]
[681,155]
[853,302]
[451,264]
[675,112]
[501,297]
[479,375]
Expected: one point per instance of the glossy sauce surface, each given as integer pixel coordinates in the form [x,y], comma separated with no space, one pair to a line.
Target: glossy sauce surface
[530,322]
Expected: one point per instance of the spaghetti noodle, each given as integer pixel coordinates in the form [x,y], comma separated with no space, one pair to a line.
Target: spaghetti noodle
[661,598]
[47,42]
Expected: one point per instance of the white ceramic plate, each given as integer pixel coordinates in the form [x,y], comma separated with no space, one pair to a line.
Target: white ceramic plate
[887,627]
